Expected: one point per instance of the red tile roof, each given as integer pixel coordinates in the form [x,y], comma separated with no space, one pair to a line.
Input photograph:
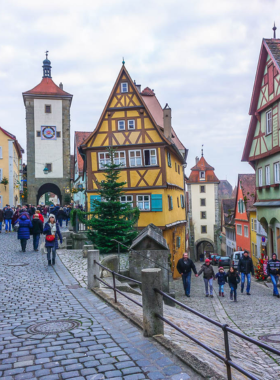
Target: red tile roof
[248,186]
[47,87]
[78,140]
[202,165]
[148,91]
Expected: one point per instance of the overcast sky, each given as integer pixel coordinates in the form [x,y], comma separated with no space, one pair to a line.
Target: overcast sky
[199,56]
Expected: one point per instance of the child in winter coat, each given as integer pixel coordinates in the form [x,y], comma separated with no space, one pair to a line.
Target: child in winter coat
[221,276]
[208,276]
[232,277]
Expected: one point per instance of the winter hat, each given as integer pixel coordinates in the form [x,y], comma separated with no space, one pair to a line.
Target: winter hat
[207,261]
[221,268]
[52,216]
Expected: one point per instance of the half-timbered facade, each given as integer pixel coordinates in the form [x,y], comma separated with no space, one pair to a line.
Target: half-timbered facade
[153,166]
[262,147]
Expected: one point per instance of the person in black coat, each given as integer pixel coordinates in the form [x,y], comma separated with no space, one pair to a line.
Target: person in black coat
[273,271]
[37,230]
[185,266]
[61,215]
[246,268]
[1,219]
[8,216]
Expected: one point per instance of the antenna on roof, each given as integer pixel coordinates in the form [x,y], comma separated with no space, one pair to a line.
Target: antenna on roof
[47,52]
[202,151]
[274,30]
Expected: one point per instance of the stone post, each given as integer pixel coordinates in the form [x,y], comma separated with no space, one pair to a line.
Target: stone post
[152,302]
[93,269]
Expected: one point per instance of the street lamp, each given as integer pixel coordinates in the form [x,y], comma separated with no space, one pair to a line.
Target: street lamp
[46,170]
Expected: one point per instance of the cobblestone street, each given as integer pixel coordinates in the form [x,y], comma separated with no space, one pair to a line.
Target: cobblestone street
[101,343]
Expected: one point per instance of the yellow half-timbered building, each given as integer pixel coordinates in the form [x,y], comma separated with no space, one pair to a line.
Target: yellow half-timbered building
[153,159]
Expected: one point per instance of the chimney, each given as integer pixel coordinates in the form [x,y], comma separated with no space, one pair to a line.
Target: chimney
[61,86]
[138,86]
[167,122]
[196,160]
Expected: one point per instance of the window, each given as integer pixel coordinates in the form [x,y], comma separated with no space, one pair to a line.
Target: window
[143,202]
[246,231]
[179,169]
[269,122]
[255,224]
[119,158]
[204,229]
[169,159]
[135,158]
[121,125]
[178,202]
[104,159]
[38,133]
[239,229]
[1,174]
[58,134]
[48,108]
[253,249]
[49,167]
[260,177]
[1,152]
[127,199]
[170,202]
[267,175]
[178,242]
[202,189]
[202,202]
[131,124]
[202,176]
[182,201]
[252,224]
[175,166]
[203,215]
[150,157]
[276,172]
[241,207]
[124,87]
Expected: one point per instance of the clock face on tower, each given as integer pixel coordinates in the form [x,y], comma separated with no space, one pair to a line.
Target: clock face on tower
[48,133]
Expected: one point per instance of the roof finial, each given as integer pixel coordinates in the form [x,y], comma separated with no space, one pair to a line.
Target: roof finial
[47,52]
[123,62]
[274,30]
[202,151]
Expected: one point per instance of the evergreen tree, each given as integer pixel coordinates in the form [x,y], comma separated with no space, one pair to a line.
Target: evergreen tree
[111,219]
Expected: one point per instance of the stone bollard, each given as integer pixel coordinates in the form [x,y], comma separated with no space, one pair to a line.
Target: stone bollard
[86,249]
[93,269]
[152,302]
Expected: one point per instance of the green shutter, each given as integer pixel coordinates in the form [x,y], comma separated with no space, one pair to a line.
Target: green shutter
[182,201]
[171,203]
[169,159]
[94,198]
[156,202]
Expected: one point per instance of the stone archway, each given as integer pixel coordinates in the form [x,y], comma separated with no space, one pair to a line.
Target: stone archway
[203,244]
[49,187]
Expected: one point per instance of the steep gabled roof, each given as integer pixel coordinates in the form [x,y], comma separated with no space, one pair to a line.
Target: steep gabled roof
[269,47]
[202,165]
[19,149]
[79,138]
[47,87]
[248,187]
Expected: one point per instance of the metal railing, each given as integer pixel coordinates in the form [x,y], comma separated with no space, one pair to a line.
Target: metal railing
[114,274]
[226,329]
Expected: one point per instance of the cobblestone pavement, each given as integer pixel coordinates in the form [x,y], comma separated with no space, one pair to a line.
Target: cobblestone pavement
[253,315]
[102,344]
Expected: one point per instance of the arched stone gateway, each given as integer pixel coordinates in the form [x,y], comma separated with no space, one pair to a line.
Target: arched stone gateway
[49,187]
[202,245]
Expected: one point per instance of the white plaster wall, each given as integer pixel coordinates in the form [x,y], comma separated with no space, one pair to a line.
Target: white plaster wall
[209,195]
[48,151]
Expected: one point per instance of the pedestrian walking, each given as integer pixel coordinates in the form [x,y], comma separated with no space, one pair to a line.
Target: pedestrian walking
[40,216]
[8,216]
[24,230]
[201,257]
[1,219]
[246,268]
[233,279]
[37,230]
[52,232]
[221,276]
[61,215]
[185,266]
[208,276]
[273,271]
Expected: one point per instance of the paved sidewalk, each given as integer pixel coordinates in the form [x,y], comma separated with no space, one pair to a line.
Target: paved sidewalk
[102,343]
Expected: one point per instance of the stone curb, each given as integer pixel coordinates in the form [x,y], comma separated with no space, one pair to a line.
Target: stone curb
[202,368]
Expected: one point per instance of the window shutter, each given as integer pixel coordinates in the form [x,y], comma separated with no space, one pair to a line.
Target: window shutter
[182,201]
[156,202]
[1,174]
[94,198]
[171,203]
[169,159]
[1,152]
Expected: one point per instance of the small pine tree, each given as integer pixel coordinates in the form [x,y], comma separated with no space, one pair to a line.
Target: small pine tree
[260,273]
[111,219]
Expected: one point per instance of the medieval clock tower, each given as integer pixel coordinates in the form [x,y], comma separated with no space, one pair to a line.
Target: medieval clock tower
[48,137]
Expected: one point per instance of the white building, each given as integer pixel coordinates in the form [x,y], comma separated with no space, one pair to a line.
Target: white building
[204,208]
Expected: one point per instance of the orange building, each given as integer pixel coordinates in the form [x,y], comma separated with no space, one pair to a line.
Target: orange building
[245,198]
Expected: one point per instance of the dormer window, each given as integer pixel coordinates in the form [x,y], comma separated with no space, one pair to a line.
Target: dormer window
[124,87]
[202,175]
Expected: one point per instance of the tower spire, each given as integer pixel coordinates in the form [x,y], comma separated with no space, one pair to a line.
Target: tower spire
[274,31]
[202,150]
[47,66]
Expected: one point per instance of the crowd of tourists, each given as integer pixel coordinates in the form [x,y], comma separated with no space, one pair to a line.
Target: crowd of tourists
[233,276]
[29,220]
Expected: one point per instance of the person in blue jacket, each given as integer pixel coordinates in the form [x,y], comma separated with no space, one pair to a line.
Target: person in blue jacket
[25,225]
[221,276]
[52,228]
